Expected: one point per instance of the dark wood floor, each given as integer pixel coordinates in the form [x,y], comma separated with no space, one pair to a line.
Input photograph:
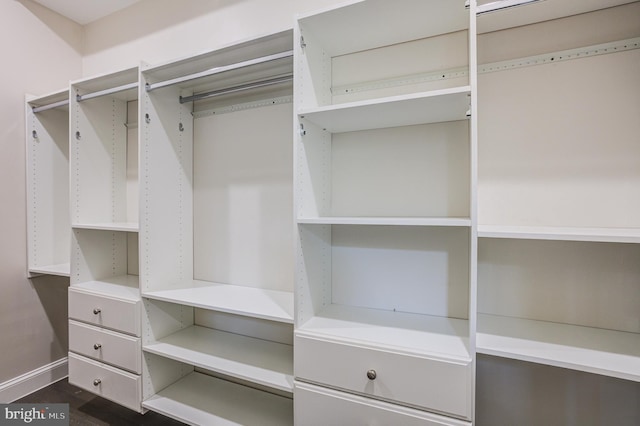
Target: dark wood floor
[87,409]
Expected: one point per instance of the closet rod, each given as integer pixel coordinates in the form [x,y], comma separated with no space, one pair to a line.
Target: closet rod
[501,5]
[105,92]
[218,70]
[50,106]
[234,89]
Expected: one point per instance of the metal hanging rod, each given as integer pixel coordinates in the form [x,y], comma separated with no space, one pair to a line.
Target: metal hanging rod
[50,106]
[108,91]
[218,70]
[501,5]
[234,89]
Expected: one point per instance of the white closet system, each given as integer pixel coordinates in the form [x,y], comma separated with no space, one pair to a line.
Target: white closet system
[459,181]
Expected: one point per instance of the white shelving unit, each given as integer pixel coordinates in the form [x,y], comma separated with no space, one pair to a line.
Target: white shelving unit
[216,236]
[104,297]
[47,139]
[558,276]
[385,203]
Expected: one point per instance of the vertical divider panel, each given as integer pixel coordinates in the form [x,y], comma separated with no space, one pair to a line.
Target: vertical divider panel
[166,182]
[473,202]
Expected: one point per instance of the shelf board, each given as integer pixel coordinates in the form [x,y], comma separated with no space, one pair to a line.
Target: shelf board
[435,106]
[198,399]
[535,12]
[439,337]
[406,221]
[62,270]
[593,350]
[254,360]
[357,26]
[108,226]
[121,287]
[612,235]
[247,301]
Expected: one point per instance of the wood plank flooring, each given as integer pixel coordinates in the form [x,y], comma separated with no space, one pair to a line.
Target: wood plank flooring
[87,409]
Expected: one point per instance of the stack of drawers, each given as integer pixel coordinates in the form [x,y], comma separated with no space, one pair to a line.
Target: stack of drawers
[105,355]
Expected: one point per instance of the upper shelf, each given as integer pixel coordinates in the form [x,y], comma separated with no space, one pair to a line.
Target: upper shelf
[247,301]
[362,25]
[494,16]
[395,221]
[404,110]
[240,63]
[611,235]
[59,99]
[121,84]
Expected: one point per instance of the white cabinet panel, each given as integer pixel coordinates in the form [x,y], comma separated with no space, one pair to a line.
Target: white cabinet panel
[434,384]
[106,346]
[108,382]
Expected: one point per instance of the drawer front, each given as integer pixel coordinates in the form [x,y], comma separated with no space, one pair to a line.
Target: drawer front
[103,311]
[317,406]
[107,346]
[436,385]
[108,382]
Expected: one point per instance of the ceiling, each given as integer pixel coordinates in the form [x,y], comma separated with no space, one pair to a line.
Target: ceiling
[85,11]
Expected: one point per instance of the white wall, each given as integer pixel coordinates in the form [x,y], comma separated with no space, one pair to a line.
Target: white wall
[41,51]
[156,31]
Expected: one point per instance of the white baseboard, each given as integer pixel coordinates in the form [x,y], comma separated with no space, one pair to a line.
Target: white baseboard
[34,380]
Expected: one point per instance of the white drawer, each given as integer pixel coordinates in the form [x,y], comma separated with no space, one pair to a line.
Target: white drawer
[317,406]
[435,384]
[109,382]
[104,311]
[107,346]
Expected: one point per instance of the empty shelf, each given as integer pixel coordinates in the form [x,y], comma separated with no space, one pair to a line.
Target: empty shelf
[441,337]
[247,301]
[108,226]
[255,360]
[613,235]
[407,221]
[594,350]
[62,270]
[198,399]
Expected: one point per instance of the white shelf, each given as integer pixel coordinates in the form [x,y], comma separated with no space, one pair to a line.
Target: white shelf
[108,226]
[404,110]
[247,301]
[121,287]
[198,399]
[439,337]
[613,235]
[62,270]
[492,18]
[395,221]
[367,25]
[605,352]
[255,360]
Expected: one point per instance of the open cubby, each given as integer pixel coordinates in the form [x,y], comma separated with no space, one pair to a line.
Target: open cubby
[215,230]
[48,227]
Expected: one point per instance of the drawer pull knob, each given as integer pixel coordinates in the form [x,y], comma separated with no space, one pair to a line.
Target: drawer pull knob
[96,382]
[371,374]
[97,346]
[96,311]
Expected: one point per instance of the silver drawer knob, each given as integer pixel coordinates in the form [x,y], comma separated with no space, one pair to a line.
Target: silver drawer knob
[96,311]
[96,382]
[97,346]
[371,374]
